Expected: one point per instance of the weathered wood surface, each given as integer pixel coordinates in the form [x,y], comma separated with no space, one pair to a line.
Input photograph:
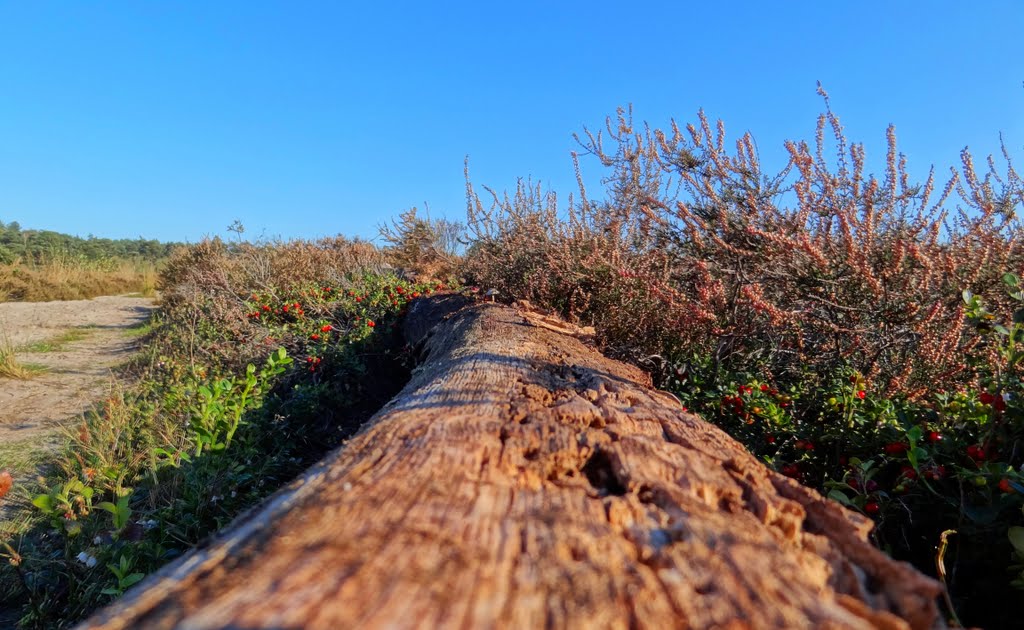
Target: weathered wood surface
[523,480]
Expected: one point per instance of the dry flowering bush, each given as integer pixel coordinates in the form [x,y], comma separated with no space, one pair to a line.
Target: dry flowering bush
[572,262]
[203,287]
[857,332]
[821,265]
[423,248]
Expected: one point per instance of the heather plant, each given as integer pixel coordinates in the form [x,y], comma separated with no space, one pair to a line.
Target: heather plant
[854,331]
[818,265]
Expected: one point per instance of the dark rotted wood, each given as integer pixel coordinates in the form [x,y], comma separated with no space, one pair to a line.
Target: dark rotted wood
[523,480]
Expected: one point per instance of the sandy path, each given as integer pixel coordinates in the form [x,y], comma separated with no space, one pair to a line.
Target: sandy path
[78,373]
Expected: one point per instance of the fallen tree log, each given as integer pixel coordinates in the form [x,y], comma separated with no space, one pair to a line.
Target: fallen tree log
[523,480]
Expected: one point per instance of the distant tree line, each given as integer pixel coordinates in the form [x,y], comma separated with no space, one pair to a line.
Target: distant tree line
[36,246]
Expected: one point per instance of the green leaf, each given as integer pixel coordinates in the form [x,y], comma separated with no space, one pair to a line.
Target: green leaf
[968,296]
[912,457]
[1016,536]
[999,328]
[914,434]
[1011,280]
[44,502]
[132,579]
[73,528]
[841,497]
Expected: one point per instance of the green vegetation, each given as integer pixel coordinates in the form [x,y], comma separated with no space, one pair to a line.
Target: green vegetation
[246,380]
[22,458]
[38,266]
[39,246]
[860,334]
[10,365]
[56,343]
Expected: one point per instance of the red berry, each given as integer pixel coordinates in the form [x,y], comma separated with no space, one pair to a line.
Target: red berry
[934,436]
[976,452]
[764,387]
[1004,486]
[895,448]
[861,394]
[872,507]
[770,439]
[370,323]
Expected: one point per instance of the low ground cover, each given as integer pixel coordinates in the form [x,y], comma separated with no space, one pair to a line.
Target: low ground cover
[247,378]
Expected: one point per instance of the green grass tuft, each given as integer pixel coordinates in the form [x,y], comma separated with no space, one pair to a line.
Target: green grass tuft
[57,343]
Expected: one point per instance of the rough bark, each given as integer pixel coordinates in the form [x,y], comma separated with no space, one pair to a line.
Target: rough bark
[523,480]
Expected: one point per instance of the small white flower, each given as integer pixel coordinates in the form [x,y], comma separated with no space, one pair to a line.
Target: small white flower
[97,541]
[86,559]
[233,494]
[214,499]
[1007,396]
[148,525]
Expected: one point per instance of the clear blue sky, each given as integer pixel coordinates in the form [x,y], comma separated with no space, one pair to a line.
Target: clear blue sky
[170,119]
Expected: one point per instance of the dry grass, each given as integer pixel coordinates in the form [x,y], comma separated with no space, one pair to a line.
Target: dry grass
[65,279]
[10,367]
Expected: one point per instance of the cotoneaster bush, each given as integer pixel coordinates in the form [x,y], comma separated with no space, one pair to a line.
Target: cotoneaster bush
[818,314]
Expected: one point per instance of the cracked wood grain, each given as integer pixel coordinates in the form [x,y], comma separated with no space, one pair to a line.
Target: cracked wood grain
[523,480]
